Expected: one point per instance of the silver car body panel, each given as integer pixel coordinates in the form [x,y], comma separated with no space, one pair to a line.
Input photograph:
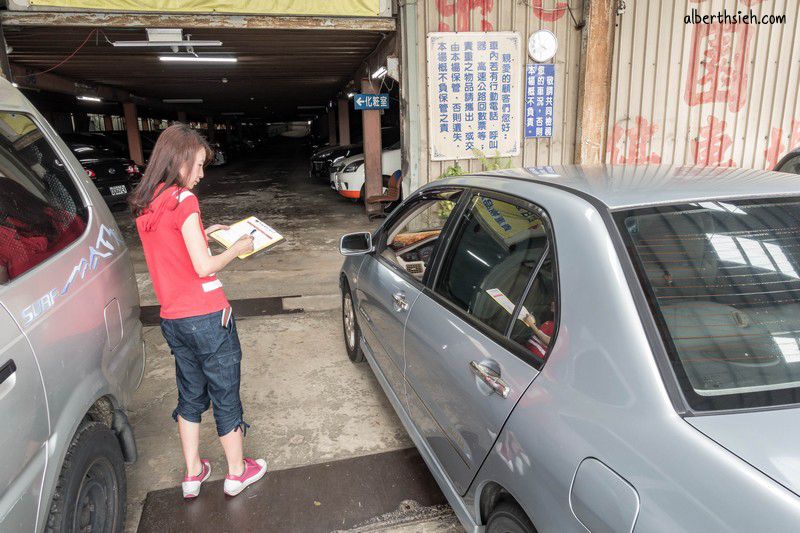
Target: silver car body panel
[601,394]
[61,308]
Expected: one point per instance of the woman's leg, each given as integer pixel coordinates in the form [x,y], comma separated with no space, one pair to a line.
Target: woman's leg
[190,442]
[233,444]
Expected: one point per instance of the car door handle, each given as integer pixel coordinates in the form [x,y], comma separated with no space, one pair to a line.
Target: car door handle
[490,378]
[7,370]
[400,301]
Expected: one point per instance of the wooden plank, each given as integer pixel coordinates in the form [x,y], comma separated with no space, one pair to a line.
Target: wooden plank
[595,81]
[190,20]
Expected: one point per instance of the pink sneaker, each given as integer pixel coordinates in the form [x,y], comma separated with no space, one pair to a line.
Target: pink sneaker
[191,484]
[254,469]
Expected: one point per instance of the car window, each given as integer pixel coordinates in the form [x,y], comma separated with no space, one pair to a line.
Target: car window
[41,211]
[792,165]
[493,253]
[412,239]
[724,285]
[535,325]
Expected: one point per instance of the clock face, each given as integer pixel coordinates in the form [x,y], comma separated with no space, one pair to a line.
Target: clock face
[542,46]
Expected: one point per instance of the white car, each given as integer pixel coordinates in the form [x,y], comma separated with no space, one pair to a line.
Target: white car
[348,180]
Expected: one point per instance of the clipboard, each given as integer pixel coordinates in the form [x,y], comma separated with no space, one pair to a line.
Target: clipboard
[264,236]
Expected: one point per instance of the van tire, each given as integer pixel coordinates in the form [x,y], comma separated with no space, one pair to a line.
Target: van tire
[94,454]
[508,517]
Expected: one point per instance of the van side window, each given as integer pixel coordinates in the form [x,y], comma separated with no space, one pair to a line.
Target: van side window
[494,252]
[41,211]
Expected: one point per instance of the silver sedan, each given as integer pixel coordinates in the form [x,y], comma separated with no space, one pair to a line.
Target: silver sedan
[608,349]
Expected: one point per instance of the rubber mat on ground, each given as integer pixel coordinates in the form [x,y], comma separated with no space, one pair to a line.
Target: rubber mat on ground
[317,498]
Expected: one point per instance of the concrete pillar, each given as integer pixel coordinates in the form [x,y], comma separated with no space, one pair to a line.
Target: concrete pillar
[108,123]
[594,85]
[344,120]
[145,124]
[331,126]
[182,116]
[371,124]
[132,127]
[81,121]
[210,126]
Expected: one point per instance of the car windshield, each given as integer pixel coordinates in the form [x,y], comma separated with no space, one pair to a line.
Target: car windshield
[723,280]
[92,146]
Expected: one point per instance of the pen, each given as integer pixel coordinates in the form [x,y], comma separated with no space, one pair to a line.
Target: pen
[252,232]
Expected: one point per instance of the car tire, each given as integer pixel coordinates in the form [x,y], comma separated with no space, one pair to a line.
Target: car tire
[362,195]
[350,328]
[508,517]
[91,489]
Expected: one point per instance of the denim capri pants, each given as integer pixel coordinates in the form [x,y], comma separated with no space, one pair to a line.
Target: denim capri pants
[207,369]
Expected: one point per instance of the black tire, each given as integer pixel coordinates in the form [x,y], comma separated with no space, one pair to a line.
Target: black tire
[91,488]
[362,195]
[508,517]
[351,343]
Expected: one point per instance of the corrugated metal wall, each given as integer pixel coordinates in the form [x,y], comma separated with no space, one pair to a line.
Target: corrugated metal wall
[524,17]
[705,94]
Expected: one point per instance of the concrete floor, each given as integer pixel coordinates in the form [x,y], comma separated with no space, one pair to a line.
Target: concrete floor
[306,402]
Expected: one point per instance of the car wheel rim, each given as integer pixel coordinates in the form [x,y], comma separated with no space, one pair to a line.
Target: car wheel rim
[349,322]
[96,506]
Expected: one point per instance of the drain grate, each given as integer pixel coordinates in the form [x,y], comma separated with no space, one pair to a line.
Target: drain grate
[245,307]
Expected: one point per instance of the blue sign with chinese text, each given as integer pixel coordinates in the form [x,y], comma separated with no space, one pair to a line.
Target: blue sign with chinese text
[540,80]
[364,102]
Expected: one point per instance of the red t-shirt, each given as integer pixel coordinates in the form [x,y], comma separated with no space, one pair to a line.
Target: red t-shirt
[536,346]
[180,291]
[21,249]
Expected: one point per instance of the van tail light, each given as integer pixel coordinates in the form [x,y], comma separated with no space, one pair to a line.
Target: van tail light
[91,173]
[132,169]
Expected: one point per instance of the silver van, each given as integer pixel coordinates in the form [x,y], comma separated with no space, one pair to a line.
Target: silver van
[71,352]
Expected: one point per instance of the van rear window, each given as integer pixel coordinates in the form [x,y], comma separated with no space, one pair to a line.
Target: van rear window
[723,281]
[41,211]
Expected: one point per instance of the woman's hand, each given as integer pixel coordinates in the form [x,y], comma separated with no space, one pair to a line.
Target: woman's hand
[216,227]
[244,245]
[529,321]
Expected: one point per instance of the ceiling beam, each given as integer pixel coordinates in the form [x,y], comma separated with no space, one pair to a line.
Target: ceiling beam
[191,20]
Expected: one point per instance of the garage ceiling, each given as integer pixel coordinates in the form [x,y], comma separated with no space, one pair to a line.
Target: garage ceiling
[277,70]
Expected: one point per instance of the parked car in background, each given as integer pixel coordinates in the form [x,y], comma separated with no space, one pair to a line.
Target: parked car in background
[327,157]
[112,172]
[220,157]
[349,181]
[790,162]
[592,349]
[71,350]
[148,139]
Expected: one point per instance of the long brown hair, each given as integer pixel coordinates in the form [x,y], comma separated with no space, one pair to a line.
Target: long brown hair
[176,146]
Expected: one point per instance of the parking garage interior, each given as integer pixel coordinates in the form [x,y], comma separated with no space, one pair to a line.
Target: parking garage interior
[288,93]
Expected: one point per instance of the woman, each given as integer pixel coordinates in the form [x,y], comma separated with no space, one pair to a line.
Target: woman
[195,314]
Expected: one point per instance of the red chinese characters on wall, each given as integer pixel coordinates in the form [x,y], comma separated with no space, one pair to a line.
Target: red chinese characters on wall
[631,146]
[549,14]
[718,69]
[713,144]
[776,147]
[463,10]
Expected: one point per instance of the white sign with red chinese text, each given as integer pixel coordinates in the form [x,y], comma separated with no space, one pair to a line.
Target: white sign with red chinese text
[474,79]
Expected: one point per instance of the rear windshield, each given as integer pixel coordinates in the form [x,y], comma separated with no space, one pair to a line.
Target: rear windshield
[723,280]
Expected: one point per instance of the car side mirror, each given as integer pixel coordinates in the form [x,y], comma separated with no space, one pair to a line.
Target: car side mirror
[356,244]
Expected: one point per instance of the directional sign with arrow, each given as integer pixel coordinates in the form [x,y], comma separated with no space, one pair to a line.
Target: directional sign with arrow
[364,102]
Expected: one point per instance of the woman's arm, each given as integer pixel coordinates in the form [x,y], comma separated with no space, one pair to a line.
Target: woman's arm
[531,323]
[203,263]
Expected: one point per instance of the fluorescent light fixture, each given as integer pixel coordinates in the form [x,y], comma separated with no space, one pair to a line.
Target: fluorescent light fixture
[232,113]
[311,107]
[90,98]
[380,72]
[14,84]
[182,100]
[198,59]
[154,44]
[350,95]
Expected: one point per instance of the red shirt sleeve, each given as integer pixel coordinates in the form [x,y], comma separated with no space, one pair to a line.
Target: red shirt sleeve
[186,207]
[548,328]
